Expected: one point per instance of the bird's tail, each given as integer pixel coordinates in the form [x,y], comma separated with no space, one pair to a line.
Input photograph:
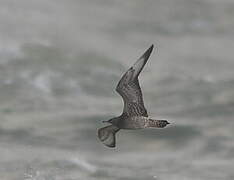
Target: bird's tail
[157,123]
[107,135]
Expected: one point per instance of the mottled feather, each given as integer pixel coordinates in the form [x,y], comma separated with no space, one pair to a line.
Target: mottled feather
[134,115]
[129,88]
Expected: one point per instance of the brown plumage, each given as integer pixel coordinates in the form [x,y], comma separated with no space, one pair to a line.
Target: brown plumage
[134,114]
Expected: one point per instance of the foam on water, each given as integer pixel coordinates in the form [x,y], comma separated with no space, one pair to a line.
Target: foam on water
[84,164]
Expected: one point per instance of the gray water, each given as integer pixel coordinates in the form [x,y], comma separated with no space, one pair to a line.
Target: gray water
[61,60]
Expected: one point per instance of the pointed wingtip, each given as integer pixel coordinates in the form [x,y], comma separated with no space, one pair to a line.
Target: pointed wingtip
[152,46]
[148,52]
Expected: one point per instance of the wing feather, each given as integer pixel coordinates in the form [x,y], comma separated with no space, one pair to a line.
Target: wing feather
[129,88]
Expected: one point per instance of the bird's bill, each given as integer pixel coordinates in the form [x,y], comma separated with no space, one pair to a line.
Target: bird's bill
[164,120]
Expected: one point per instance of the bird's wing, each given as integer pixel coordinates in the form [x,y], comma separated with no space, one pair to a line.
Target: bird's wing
[129,88]
[107,135]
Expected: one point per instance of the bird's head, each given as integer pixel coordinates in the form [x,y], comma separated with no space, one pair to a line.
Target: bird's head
[163,123]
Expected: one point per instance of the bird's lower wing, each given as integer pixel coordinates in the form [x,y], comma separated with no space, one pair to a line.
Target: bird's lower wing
[133,100]
[107,135]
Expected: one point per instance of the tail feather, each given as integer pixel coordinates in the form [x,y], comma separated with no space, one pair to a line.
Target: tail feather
[107,135]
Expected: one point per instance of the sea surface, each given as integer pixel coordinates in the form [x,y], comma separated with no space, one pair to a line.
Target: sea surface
[60,61]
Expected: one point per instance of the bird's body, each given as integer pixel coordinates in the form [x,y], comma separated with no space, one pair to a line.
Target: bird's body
[134,122]
[137,122]
[134,114]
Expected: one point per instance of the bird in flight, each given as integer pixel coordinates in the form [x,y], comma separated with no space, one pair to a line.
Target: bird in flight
[134,115]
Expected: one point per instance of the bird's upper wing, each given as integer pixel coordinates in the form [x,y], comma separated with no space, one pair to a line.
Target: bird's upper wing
[129,88]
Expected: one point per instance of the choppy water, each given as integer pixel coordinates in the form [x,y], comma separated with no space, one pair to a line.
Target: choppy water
[61,60]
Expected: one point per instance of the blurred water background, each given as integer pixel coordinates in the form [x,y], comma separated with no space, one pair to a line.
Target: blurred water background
[61,60]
